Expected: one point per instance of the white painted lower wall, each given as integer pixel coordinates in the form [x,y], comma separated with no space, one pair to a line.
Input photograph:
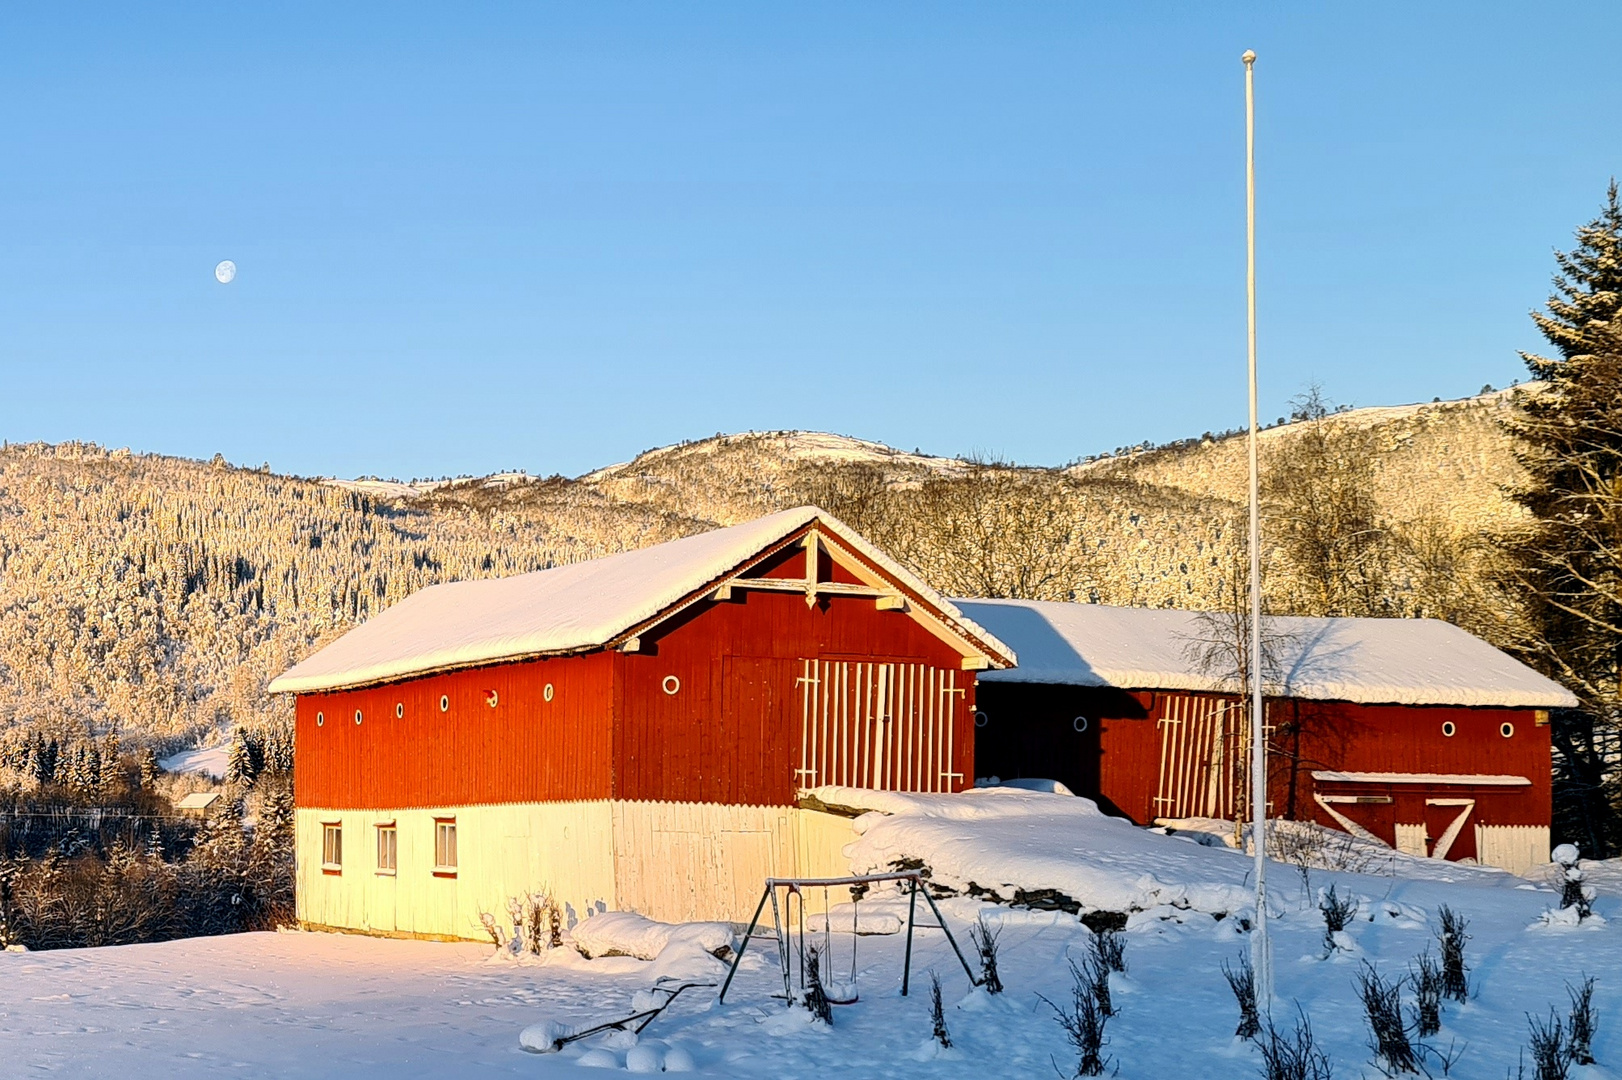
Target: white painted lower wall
[675,862]
[1516,848]
[562,848]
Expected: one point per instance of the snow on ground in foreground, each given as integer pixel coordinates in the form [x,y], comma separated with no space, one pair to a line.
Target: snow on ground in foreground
[318,1005]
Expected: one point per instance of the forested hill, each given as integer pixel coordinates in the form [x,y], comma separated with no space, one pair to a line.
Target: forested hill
[152,598]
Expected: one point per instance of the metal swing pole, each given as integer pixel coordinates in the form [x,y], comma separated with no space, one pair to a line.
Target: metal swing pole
[906,966]
[950,940]
[1261,947]
[744,944]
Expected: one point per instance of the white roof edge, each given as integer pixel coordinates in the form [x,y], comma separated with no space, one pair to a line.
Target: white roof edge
[1461,779]
[578,635]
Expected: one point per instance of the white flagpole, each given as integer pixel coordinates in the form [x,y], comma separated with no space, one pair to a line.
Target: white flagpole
[1261,947]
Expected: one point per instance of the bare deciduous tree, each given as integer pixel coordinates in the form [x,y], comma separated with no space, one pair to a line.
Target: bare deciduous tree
[1321,514]
[995,531]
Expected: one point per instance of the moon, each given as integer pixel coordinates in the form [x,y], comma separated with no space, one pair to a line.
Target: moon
[225,272]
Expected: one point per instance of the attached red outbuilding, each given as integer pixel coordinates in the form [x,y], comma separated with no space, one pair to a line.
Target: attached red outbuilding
[1410,731]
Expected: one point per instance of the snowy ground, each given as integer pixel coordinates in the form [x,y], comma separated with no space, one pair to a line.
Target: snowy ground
[317,1005]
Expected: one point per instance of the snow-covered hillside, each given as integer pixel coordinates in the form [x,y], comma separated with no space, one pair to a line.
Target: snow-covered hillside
[126,572]
[797,447]
[316,1005]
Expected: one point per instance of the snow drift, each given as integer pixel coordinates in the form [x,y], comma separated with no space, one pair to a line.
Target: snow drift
[625,933]
[1015,843]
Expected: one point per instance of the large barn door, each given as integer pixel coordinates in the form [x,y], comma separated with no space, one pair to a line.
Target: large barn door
[1201,757]
[889,727]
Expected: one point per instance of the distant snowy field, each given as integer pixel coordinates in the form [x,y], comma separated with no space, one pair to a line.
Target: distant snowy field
[208,760]
[320,1005]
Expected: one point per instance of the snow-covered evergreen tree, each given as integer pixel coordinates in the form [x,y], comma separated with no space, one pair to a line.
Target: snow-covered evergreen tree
[149,769]
[239,762]
[1570,558]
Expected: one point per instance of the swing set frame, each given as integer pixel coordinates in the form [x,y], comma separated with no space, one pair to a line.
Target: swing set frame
[795,887]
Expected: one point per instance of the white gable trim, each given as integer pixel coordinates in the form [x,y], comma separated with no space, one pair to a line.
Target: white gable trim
[979,650]
[1462,779]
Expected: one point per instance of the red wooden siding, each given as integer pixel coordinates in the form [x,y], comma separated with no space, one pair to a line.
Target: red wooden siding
[1407,739]
[731,733]
[1030,731]
[525,748]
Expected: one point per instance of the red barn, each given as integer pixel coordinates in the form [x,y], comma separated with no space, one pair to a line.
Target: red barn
[1410,731]
[631,732]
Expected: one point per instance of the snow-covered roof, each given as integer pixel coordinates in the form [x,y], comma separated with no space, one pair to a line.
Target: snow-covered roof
[1369,661]
[576,608]
[198,800]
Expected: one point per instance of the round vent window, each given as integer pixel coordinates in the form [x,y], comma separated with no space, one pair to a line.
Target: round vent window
[1449,729]
[1506,729]
[357,716]
[1079,723]
[399,710]
[671,684]
[444,703]
[546,692]
[981,719]
[320,719]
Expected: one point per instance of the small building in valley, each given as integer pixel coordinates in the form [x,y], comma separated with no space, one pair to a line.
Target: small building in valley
[201,803]
[1409,731]
[632,732]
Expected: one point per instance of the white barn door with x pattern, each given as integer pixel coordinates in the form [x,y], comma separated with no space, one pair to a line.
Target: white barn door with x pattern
[883,726]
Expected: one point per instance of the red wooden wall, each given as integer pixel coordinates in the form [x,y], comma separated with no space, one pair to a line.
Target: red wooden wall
[524,749]
[1409,739]
[730,734]
[1029,732]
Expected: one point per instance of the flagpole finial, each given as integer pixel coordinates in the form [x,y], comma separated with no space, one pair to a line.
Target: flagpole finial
[1249,57]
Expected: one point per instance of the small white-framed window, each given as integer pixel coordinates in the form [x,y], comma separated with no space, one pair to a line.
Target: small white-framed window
[1449,728]
[320,719]
[445,847]
[981,719]
[546,692]
[357,716]
[388,848]
[332,847]
[1506,729]
[1079,724]
[399,710]
[671,684]
[444,703]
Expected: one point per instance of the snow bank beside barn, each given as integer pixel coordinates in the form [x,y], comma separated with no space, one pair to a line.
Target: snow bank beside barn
[1017,843]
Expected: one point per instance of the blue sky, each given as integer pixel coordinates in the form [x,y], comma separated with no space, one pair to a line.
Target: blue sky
[475,237]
